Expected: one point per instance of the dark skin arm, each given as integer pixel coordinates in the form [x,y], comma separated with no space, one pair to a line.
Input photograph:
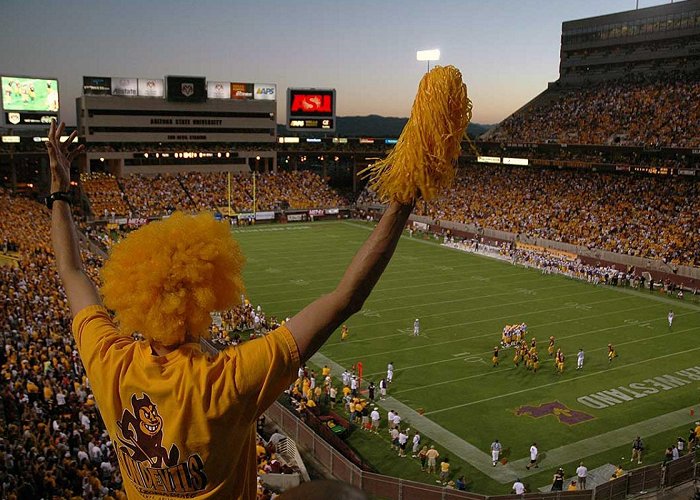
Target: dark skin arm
[316,322]
[80,289]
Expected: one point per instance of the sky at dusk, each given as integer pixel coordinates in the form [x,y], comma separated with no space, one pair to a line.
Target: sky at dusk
[507,50]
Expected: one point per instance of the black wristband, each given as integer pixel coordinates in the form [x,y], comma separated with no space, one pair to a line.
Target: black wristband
[57,196]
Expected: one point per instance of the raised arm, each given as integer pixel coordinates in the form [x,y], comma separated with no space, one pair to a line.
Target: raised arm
[79,287]
[314,324]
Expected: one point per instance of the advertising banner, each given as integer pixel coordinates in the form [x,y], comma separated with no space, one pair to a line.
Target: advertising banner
[265,91]
[97,85]
[242,90]
[219,90]
[488,159]
[151,87]
[515,161]
[295,217]
[264,215]
[127,87]
[19,118]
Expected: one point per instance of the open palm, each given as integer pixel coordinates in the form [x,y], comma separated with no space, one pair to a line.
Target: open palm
[61,156]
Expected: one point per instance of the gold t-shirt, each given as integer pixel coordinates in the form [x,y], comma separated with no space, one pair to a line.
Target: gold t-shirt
[182,424]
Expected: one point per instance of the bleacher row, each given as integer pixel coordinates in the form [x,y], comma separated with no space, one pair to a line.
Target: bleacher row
[147,196]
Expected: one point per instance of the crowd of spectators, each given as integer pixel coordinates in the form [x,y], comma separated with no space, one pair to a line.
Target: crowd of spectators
[639,113]
[104,193]
[297,189]
[645,216]
[52,442]
[211,190]
[148,196]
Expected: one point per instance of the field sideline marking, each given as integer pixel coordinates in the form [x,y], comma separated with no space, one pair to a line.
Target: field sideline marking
[617,367]
[611,439]
[448,440]
[504,474]
[454,444]
[587,332]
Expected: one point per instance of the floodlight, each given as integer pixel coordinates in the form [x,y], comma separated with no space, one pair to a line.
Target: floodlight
[428,55]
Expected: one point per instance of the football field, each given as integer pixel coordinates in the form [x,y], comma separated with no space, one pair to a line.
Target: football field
[444,378]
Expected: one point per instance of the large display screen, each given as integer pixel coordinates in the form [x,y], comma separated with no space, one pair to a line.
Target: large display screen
[311,102]
[29,94]
[311,109]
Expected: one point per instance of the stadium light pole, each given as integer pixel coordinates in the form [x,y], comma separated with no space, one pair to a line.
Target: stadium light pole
[428,55]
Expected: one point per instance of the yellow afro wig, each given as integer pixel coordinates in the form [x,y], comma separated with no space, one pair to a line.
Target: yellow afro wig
[422,162]
[165,279]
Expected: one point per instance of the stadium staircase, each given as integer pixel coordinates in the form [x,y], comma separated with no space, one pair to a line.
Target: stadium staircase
[184,188]
[126,198]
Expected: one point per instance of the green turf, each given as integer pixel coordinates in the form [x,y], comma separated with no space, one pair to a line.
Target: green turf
[463,301]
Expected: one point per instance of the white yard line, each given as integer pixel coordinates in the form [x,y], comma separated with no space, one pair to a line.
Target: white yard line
[616,367]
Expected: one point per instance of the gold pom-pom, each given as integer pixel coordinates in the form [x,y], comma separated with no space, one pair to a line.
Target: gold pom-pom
[423,160]
[165,279]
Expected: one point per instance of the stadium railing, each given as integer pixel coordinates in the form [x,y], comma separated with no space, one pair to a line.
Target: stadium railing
[287,449]
[649,478]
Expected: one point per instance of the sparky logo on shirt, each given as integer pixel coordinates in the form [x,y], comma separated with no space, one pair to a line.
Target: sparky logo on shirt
[145,461]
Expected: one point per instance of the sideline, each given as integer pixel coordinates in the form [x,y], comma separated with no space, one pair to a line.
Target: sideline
[504,474]
[572,451]
[429,429]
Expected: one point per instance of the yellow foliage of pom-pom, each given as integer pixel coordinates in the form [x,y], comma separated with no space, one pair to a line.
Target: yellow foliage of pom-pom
[165,279]
[423,160]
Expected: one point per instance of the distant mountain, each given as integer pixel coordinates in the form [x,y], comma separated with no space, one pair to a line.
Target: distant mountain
[378,126]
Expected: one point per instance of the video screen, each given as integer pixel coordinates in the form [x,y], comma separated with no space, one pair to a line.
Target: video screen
[29,94]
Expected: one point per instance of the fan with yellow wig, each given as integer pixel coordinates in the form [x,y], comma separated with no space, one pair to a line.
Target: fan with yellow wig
[423,160]
[165,279]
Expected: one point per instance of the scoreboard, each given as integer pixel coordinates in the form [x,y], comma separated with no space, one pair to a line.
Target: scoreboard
[28,102]
[311,109]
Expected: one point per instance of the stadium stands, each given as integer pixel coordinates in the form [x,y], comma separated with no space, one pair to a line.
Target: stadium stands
[53,442]
[637,113]
[643,216]
[149,196]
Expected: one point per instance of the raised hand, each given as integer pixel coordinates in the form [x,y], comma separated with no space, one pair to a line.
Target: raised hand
[61,155]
